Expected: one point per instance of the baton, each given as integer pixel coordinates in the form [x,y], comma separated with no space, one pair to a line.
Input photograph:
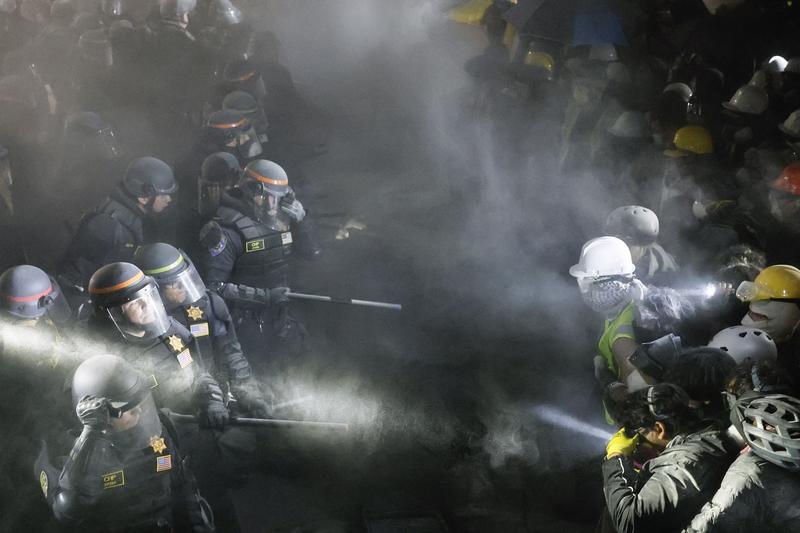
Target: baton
[350,301]
[270,422]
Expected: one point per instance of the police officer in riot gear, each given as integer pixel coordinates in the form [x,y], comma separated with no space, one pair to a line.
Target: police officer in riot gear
[125,471]
[127,304]
[218,173]
[205,314]
[230,130]
[246,104]
[119,224]
[258,226]
[29,294]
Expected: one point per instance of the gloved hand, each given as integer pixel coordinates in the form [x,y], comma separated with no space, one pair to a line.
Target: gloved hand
[277,295]
[602,374]
[94,412]
[213,415]
[621,444]
[292,207]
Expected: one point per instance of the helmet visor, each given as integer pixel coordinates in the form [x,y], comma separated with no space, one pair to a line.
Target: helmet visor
[141,318]
[134,427]
[183,289]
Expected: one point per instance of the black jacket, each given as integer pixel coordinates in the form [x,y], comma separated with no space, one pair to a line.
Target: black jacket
[671,488]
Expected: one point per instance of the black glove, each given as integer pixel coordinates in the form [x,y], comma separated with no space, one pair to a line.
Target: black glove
[277,295]
[94,412]
[212,412]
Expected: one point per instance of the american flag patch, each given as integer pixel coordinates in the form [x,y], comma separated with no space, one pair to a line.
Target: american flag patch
[185,358]
[163,462]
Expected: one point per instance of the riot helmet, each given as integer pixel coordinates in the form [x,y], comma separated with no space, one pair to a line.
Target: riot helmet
[176,9]
[247,105]
[88,134]
[224,13]
[148,177]
[264,183]
[241,74]
[177,279]
[218,173]
[231,131]
[27,292]
[134,422]
[130,299]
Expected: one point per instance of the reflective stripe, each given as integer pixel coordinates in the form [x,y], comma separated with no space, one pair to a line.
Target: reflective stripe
[31,298]
[118,286]
[229,125]
[625,329]
[166,268]
[265,179]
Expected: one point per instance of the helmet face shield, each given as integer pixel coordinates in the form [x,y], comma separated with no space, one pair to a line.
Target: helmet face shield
[6,182]
[142,317]
[134,425]
[245,142]
[183,289]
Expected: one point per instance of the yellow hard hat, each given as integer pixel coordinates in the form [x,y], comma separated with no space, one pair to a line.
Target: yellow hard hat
[540,59]
[470,12]
[691,140]
[777,282]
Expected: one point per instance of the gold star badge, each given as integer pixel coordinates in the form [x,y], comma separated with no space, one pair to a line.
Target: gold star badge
[194,312]
[175,343]
[158,444]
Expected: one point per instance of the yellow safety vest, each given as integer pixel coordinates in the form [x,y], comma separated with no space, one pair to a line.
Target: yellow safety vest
[619,327]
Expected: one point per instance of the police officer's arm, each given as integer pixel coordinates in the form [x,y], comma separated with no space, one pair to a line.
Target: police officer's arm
[223,248]
[306,243]
[228,353]
[209,401]
[82,479]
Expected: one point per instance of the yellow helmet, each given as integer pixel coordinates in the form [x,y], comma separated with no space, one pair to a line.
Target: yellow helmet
[776,282]
[470,12]
[691,140]
[540,59]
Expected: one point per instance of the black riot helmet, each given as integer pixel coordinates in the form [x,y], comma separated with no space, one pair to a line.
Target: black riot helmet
[242,74]
[27,292]
[177,278]
[86,132]
[246,104]
[219,172]
[130,299]
[263,184]
[147,177]
[222,13]
[231,131]
[134,417]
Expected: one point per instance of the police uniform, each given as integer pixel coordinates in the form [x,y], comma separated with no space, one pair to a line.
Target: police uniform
[132,490]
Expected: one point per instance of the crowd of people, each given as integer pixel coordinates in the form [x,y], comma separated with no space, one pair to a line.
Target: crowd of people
[690,122]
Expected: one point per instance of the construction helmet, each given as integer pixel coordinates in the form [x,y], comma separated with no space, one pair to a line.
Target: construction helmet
[789,180]
[776,64]
[776,282]
[743,343]
[541,60]
[791,126]
[633,223]
[630,125]
[749,99]
[603,256]
[771,427]
[691,140]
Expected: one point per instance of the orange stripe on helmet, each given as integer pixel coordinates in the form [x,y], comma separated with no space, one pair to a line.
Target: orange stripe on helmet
[118,286]
[245,76]
[264,179]
[31,298]
[228,125]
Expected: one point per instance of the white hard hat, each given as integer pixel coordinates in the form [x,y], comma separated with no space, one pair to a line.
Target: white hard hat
[776,64]
[742,343]
[681,89]
[791,126]
[603,52]
[603,256]
[749,99]
[633,221]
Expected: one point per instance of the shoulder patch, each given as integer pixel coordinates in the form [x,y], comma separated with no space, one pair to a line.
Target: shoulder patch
[213,238]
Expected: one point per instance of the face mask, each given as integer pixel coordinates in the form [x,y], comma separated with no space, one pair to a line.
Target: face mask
[782,318]
[606,296]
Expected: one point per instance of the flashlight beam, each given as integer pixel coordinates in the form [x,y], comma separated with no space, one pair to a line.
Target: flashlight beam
[559,418]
